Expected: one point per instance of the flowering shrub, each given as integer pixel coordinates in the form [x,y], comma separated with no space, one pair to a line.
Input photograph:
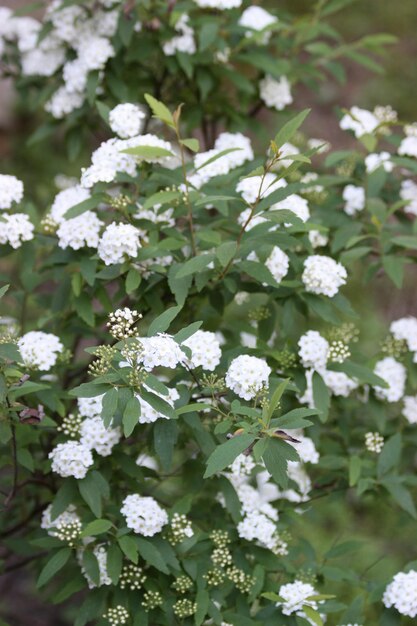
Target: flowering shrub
[187,373]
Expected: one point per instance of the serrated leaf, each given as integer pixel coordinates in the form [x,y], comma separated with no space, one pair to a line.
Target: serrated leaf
[390,455]
[163,321]
[97,527]
[86,205]
[194,265]
[165,433]
[53,566]
[321,396]
[129,548]
[276,456]
[151,555]
[290,128]
[159,110]
[131,416]
[159,404]
[225,454]
[114,563]
[91,566]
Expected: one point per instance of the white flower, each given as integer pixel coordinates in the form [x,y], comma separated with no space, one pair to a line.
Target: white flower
[80,231]
[278,263]
[65,200]
[184,42]
[71,459]
[11,190]
[100,553]
[242,151]
[256,18]
[205,350]
[401,593]
[40,350]
[241,468]
[96,437]
[323,275]
[406,328]
[313,350]
[160,350]
[394,373]
[286,150]
[409,192]
[408,146]
[127,120]
[410,409]
[220,5]
[318,239]
[247,375]
[275,93]
[95,51]
[66,517]
[299,476]
[148,414]
[256,526]
[143,515]
[75,75]
[15,229]
[90,407]
[374,161]
[117,242]
[251,187]
[374,442]
[306,449]
[339,383]
[63,102]
[295,596]
[354,198]
[294,203]
[360,121]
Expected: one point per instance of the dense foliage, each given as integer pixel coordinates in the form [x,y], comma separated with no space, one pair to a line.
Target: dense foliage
[186,372]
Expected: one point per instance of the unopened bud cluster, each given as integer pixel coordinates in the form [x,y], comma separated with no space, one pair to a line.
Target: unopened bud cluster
[104,356]
[151,600]
[244,582]
[215,383]
[70,425]
[120,202]
[374,442]
[182,584]
[338,351]
[221,557]
[117,616]
[69,532]
[48,225]
[220,538]
[285,359]
[307,576]
[121,323]
[184,608]
[259,314]
[394,347]
[132,577]
[215,577]
[180,529]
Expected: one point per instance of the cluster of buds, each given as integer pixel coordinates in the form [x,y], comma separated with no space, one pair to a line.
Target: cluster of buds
[394,347]
[48,225]
[69,532]
[347,333]
[281,544]
[184,608]
[117,616]
[151,600]
[120,202]
[132,577]
[374,442]
[70,425]
[307,576]
[104,356]
[220,538]
[182,584]
[121,323]
[285,359]
[259,314]
[180,529]
[214,383]
[132,351]
[338,351]
[244,582]
[221,557]
[215,577]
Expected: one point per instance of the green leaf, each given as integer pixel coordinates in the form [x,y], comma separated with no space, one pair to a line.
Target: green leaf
[163,321]
[208,34]
[151,555]
[290,128]
[355,467]
[148,152]
[313,615]
[89,390]
[259,271]
[217,156]
[202,601]
[10,352]
[400,494]
[97,527]
[275,399]
[159,110]
[131,416]
[91,566]
[129,548]
[321,396]
[86,205]
[3,290]
[161,197]
[194,265]
[55,563]
[405,241]
[187,332]
[192,144]
[91,492]
[276,456]
[159,404]
[109,406]
[390,455]
[362,373]
[225,252]
[133,280]
[225,454]
[394,267]
[165,433]
[114,563]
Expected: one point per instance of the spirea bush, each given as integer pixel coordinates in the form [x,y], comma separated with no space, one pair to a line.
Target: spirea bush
[183,372]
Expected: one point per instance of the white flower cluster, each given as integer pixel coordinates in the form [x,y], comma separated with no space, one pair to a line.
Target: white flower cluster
[100,553]
[205,350]
[66,517]
[90,407]
[313,350]
[405,329]
[401,593]
[80,231]
[408,146]
[278,263]
[256,526]
[294,203]
[374,161]
[15,229]
[394,373]
[254,186]
[71,459]
[242,152]
[323,275]
[275,93]
[410,409]
[295,595]
[256,19]
[408,192]
[183,42]
[148,414]
[143,515]
[220,5]
[11,190]
[306,450]
[65,200]
[96,437]
[117,242]
[318,239]
[360,121]
[247,375]
[354,198]
[39,350]
[160,350]
[374,442]
[127,120]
